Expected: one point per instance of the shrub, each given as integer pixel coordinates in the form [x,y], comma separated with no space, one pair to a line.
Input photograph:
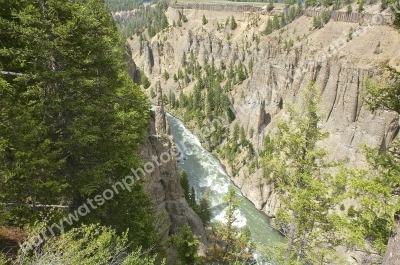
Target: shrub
[349,9]
[204,20]
[233,23]
[144,81]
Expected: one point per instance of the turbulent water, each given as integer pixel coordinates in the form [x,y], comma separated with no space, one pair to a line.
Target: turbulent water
[206,174]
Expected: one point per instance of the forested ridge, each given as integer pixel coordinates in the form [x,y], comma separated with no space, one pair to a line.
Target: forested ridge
[150,17]
[123,5]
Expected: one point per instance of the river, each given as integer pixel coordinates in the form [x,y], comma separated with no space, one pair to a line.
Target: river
[206,172]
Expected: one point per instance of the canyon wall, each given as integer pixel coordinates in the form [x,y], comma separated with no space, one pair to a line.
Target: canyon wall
[217,7]
[162,182]
[352,17]
[337,61]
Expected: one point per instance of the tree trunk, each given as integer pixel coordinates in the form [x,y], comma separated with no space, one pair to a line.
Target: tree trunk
[291,238]
[392,254]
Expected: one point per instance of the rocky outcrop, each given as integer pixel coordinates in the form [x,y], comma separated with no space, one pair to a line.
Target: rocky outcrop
[352,17]
[160,119]
[162,182]
[348,121]
[217,7]
[133,72]
[148,59]
[392,255]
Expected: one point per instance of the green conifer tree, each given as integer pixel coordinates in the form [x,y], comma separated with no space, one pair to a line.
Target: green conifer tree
[66,132]
[204,20]
[233,23]
[184,180]
[294,163]
[186,245]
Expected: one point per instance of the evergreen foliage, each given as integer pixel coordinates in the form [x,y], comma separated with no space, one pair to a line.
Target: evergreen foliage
[89,245]
[192,198]
[277,22]
[204,210]
[184,18]
[270,5]
[144,81]
[251,65]
[349,9]
[237,248]
[298,168]
[184,180]
[166,75]
[67,132]
[361,6]
[204,20]
[317,22]
[377,186]
[144,17]
[123,5]
[186,245]
[308,3]
[350,34]
[326,16]
[233,23]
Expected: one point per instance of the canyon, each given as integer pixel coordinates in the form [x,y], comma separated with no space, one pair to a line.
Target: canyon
[338,57]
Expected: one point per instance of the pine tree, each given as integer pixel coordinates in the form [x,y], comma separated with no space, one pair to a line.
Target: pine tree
[251,65]
[184,180]
[87,244]
[239,247]
[326,16]
[241,72]
[186,245]
[66,130]
[242,135]
[192,198]
[296,166]
[269,28]
[233,23]
[166,75]
[349,9]
[361,6]
[235,135]
[184,18]
[270,5]
[204,20]
[183,60]
[144,81]
[275,22]
[204,211]
[171,99]
[378,187]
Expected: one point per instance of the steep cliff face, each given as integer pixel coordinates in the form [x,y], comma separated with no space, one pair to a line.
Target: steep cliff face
[133,72]
[336,61]
[162,180]
[392,255]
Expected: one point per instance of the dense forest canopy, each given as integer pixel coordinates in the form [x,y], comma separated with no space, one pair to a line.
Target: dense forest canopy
[71,119]
[151,17]
[124,5]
